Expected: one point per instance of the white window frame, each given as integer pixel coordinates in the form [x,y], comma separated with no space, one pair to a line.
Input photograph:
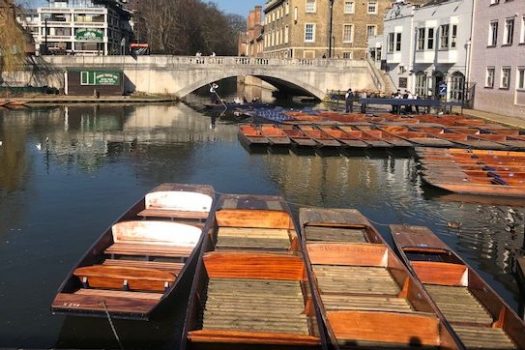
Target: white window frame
[374,3]
[444,36]
[421,39]
[494,2]
[348,55]
[520,78]
[508,36]
[453,36]
[391,42]
[522,32]
[431,39]
[504,82]
[490,75]
[287,9]
[313,33]
[347,39]
[493,33]
[399,41]
[286,34]
[374,31]
[310,6]
[349,7]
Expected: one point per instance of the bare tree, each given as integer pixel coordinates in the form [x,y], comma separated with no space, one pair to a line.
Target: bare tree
[13,42]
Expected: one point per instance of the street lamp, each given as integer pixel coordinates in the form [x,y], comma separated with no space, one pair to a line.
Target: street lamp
[330,28]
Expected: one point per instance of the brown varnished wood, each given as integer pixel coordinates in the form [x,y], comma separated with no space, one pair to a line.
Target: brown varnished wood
[347,254]
[236,337]
[253,218]
[103,276]
[174,268]
[439,273]
[385,327]
[253,265]
[419,237]
[87,303]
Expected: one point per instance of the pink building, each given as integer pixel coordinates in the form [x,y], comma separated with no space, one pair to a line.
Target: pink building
[498,56]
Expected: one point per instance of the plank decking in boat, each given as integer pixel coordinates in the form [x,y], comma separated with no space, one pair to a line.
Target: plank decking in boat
[478,316]
[252,238]
[334,234]
[155,241]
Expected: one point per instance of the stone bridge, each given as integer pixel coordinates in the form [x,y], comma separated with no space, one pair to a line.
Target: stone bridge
[180,75]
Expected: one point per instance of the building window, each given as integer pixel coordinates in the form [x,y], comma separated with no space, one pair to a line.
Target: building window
[430,40]
[347,55]
[349,7]
[310,6]
[457,85]
[521,78]
[443,36]
[348,33]
[421,84]
[454,36]
[286,30]
[421,38]
[398,41]
[391,39]
[493,33]
[494,2]
[509,31]
[87,78]
[505,78]
[309,32]
[522,35]
[371,30]
[489,81]
[287,9]
[372,6]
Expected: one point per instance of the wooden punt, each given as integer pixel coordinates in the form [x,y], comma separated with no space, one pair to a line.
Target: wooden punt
[368,298]
[385,136]
[520,273]
[465,139]
[138,262]
[251,290]
[297,136]
[275,135]
[251,135]
[477,314]
[369,139]
[343,137]
[323,139]
[415,137]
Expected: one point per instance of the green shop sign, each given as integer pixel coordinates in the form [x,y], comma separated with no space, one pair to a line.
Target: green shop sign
[99,78]
[89,34]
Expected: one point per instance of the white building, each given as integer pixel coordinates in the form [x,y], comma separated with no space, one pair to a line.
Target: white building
[423,47]
[87,27]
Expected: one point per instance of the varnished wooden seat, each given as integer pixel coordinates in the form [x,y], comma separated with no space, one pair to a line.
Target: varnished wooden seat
[173,214]
[109,293]
[363,302]
[334,234]
[126,278]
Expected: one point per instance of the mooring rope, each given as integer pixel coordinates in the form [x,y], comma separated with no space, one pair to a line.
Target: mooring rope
[112,325]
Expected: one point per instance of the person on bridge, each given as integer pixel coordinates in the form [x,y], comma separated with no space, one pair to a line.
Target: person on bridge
[349,101]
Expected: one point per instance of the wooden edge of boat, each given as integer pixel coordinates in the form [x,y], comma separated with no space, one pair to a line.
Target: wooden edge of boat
[520,272]
[120,304]
[420,239]
[231,338]
[478,189]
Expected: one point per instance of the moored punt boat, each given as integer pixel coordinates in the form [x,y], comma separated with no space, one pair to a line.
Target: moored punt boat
[343,136]
[323,139]
[138,262]
[520,272]
[387,137]
[274,134]
[371,140]
[367,297]
[297,136]
[477,314]
[416,137]
[251,289]
[465,139]
[251,135]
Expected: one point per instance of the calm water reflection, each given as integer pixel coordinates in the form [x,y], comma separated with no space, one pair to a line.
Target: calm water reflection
[66,173]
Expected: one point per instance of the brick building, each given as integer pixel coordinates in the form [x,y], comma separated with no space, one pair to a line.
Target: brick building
[301,28]
[251,42]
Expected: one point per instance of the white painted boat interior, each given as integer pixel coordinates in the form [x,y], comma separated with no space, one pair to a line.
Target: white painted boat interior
[179,200]
[156,232]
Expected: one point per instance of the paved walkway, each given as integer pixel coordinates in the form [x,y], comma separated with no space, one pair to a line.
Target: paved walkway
[54,99]
[498,118]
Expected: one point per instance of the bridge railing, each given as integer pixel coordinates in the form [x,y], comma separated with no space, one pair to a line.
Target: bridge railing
[209,61]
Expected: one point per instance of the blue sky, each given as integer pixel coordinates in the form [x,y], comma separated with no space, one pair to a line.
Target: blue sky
[240,7]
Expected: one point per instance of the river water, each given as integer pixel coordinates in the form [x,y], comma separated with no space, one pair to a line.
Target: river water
[66,173]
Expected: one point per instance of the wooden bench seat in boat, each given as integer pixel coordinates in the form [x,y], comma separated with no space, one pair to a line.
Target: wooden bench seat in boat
[362,302]
[154,238]
[127,278]
[113,303]
[177,205]
[159,265]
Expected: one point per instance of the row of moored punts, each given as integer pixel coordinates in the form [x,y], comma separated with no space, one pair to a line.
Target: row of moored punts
[262,282]
[380,136]
[480,172]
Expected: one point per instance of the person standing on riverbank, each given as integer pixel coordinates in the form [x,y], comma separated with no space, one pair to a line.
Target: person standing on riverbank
[349,101]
